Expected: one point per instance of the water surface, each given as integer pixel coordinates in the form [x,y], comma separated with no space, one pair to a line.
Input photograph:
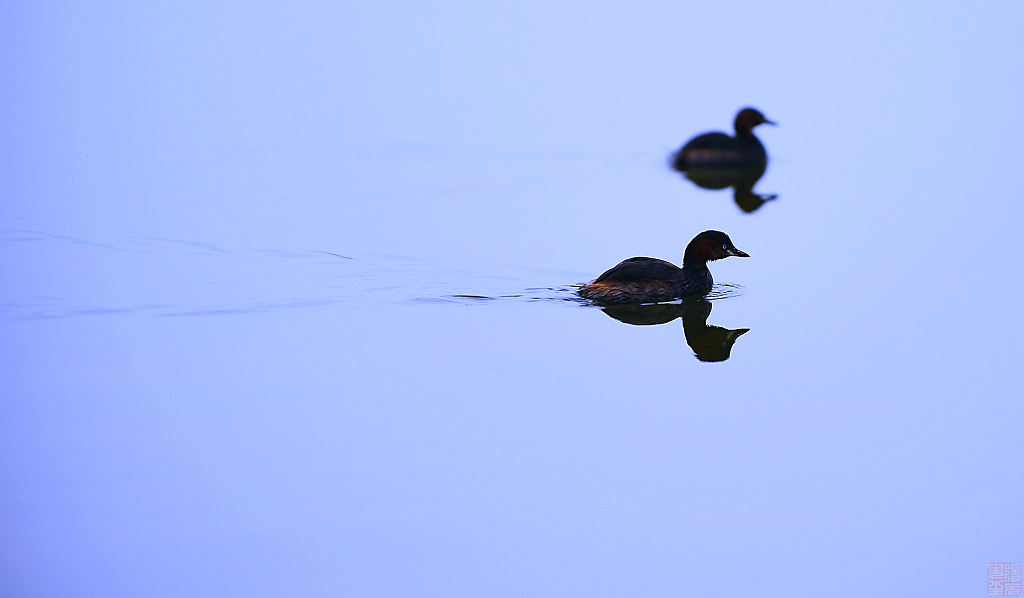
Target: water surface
[288,304]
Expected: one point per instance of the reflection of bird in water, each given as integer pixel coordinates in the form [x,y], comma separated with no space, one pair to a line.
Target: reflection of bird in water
[742,180]
[649,280]
[709,343]
[716,160]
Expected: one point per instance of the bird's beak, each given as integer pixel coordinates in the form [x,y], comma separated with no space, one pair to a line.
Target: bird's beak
[737,253]
[735,334]
[769,122]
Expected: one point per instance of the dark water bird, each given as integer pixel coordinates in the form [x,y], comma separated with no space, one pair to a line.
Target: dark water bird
[718,150]
[709,343]
[650,280]
[717,161]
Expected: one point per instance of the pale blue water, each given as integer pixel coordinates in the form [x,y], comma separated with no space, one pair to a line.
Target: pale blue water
[288,309]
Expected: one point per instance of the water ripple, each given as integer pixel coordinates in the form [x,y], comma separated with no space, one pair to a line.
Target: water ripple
[568,293]
[61,276]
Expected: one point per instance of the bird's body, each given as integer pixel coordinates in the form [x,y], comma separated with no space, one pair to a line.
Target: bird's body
[651,280]
[718,150]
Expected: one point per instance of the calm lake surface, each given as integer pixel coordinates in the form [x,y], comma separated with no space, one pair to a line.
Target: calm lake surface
[288,308]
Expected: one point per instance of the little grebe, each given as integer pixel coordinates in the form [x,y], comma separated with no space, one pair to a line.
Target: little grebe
[718,150]
[649,280]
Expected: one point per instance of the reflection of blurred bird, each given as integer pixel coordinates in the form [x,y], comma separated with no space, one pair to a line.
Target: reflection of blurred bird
[709,343]
[741,179]
[649,280]
[717,161]
[718,150]
[747,200]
